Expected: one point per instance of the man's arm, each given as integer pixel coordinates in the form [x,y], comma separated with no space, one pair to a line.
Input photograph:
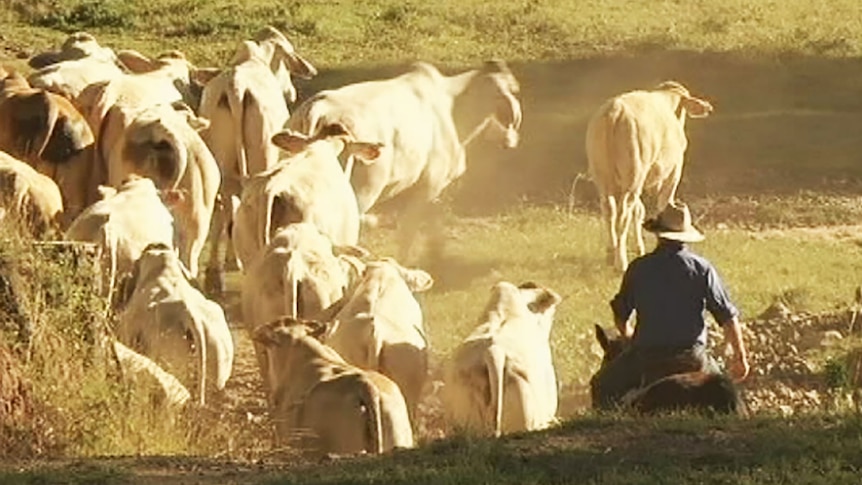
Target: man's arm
[739,368]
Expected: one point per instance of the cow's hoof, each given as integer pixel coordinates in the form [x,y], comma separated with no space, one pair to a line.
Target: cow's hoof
[214,281]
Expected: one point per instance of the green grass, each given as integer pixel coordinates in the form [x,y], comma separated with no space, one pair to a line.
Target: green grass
[595,450]
[383,31]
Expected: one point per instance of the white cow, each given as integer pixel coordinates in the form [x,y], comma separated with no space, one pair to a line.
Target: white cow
[80,62]
[379,327]
[332,406]
[425,121]
[122,224]
[307,186]
[296,274]
[165,318]
[636,141]
[501,378]
[28,196]
[167,79]
[162,143]
[245,112]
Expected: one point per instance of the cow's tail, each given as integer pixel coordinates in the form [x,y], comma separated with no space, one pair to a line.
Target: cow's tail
[199,335]
[495,362]
[292,272]
[108,242]
[236,99]
[264,223]
[370,399]
[40,142]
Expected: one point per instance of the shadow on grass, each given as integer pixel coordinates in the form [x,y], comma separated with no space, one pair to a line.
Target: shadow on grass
[589,450]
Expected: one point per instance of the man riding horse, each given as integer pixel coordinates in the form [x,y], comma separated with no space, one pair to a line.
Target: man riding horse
[668,289]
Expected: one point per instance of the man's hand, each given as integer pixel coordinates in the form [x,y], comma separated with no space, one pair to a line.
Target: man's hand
[739,368]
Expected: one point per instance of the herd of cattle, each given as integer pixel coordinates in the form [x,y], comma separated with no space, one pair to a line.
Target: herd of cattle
[148,159]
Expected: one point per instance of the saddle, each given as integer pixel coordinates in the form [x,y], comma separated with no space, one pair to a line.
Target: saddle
[657,364]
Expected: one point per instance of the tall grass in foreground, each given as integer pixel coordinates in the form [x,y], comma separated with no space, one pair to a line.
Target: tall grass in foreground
[82,406]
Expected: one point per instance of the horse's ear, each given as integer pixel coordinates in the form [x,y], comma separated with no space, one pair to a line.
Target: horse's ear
[602,337]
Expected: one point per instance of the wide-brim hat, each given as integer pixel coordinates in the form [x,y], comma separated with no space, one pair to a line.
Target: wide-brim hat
[674,223]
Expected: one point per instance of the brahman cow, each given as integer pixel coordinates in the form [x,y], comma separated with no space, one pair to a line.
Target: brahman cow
[501,378]
[424,121]
[307,186]
[636,141]
[29,197]
[166,79]
[122,224]
[80,62]
[162,142]
[379,326]
[244,109]
[46,131]
[165,318]
[296,274]
[328,404]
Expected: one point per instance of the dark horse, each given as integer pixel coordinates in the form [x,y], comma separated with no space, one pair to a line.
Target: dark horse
[702,391]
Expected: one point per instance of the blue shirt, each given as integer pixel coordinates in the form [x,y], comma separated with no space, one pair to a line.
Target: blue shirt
[669,288]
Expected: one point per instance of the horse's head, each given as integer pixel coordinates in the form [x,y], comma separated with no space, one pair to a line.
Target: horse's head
[612,347]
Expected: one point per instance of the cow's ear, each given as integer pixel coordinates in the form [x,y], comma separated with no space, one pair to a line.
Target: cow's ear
[350,250]
[298,66]
[197,123]
[44,59]
[267,334]
[602,337]
[106,192]
[544,300]
[316,330]
[173,197]
[137,62]
[417,280]
[204,75]
[290,141]
[366,152]
[696,107]
[328,314]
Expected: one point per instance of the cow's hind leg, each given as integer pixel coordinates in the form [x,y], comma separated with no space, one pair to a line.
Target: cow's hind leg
[639,214]
[609,217]
[214,276]
[624,219]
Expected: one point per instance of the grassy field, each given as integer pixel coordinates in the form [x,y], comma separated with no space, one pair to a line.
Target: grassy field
[773,177]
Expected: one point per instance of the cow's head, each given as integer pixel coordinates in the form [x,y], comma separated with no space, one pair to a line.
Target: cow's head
[283,60]
[78,45]
[489,103]
[312,277]
[683,102]
[347,149]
